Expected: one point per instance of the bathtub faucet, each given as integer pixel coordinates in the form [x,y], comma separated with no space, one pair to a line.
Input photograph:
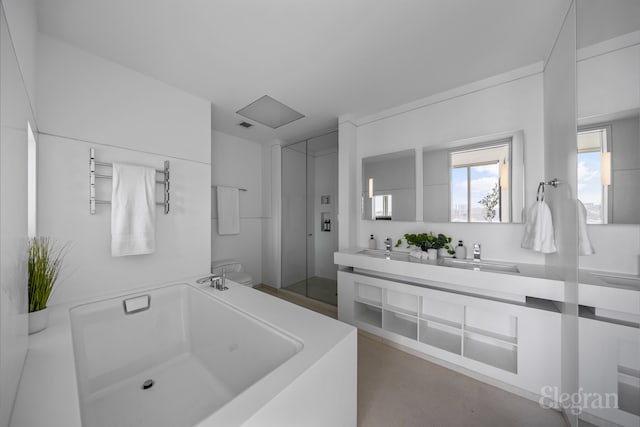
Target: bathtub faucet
[215,281]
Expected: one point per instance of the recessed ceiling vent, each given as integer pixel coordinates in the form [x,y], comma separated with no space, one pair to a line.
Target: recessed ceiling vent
[245,124]
[270,112]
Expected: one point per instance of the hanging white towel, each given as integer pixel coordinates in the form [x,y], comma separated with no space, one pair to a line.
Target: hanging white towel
[584,243]
[133,210]
[228,210]
[538,231]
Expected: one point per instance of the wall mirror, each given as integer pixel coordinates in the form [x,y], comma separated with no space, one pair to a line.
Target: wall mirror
[389,186]
[608,101]
[478,182]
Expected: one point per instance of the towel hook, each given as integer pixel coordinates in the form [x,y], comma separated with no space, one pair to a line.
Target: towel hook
[540,193]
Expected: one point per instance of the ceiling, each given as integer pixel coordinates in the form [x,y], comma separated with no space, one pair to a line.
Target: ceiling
[322,58]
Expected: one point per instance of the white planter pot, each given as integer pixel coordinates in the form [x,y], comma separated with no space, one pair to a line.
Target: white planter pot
[432,254]
[38,320]
[442,253]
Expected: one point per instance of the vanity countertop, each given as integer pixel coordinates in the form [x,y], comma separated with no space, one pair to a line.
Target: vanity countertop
[532,280]
[609,290]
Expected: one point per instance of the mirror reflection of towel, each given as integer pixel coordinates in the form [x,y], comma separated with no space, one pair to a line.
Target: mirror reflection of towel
[584,243]
[228,210]
[538,231]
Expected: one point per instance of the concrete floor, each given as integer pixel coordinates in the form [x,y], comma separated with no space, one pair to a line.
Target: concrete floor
[318,288]
[399,389]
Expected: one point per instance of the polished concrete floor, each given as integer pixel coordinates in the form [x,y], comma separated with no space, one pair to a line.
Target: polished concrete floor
[398,389]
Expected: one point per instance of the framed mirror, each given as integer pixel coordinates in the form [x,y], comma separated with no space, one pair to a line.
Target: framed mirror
[389,187]
[475,181]
[608,103]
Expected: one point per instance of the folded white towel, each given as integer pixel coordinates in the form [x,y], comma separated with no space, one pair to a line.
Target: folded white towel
[133,210]
[538,231]
[228,210]
[584,243]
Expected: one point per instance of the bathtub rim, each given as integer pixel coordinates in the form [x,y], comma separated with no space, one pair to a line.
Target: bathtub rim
[54,353]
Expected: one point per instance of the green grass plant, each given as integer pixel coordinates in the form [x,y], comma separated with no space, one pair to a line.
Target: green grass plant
[45,262]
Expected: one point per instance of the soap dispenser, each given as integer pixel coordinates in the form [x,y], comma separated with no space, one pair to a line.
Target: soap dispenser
[461,251]
[372,242]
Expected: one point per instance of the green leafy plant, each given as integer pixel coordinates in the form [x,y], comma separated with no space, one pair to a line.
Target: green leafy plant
[44,264]
[426,241]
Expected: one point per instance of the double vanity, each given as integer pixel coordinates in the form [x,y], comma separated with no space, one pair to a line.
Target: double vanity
[498,322]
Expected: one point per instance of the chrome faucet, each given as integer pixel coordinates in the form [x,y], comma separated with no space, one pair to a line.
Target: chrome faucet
[387,247]
[476,251]
[215,281]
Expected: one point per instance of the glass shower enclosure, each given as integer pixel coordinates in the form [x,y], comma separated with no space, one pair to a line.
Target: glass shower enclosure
[309,210]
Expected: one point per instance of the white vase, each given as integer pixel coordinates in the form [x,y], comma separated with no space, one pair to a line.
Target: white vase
[442,253]
[432,254]
[38,320]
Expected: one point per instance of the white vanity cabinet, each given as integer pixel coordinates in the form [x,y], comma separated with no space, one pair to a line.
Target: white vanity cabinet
[610,368]
[517,344]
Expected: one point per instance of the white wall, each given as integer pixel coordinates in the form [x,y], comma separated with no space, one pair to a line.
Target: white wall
[506,103]
[237,162]
[16,67]
[85,101]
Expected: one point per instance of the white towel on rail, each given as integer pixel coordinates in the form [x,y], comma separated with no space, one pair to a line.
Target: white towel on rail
[584,243]
[228,210]
[538,231]
[133,210]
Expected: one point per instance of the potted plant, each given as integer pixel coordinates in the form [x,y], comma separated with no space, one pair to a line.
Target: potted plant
[44,264]
[427,241]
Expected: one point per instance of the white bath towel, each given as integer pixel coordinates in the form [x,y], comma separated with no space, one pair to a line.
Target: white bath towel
[584,243]
[133,210]
[538,231]
[228,210]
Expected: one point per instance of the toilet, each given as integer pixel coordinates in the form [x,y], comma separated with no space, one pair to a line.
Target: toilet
[233,270]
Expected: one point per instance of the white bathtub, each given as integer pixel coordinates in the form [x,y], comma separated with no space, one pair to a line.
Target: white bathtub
[199,352]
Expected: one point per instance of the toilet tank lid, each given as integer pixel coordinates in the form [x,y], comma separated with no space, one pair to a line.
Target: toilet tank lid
[225,263]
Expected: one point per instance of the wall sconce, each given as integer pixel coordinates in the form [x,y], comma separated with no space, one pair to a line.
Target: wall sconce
[605,167]
[371,188]
[504,175]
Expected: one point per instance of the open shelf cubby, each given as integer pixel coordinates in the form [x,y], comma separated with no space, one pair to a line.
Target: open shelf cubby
[490,351]
[369,314]
[441,336]
[442,312]
[400,324]
[402,303]
[629,390]
[371,295]
[498,326]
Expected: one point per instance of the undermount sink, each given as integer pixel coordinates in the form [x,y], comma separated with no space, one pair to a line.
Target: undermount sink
[469,264]
[627,282]
[396,256]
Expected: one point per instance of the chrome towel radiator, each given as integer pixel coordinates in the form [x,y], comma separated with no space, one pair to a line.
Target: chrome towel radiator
[92,183]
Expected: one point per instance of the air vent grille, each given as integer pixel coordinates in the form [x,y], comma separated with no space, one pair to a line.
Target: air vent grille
[245,124]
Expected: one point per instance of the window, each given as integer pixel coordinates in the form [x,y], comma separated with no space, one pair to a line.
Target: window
[479,189]
[382,207]
[594,172]
[31,182]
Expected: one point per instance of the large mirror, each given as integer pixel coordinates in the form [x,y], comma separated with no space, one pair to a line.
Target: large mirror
[389,186]
[608,100]
[474,181]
